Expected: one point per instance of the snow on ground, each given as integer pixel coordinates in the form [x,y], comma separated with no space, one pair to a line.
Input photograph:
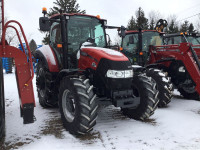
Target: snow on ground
[171,128]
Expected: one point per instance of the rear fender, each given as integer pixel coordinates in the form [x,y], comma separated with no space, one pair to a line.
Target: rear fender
[47,55]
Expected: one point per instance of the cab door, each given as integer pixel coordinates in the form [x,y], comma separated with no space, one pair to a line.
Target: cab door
[130,47]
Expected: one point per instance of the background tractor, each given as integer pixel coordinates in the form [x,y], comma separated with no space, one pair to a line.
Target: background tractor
[77,72]
[136,47]
[177,54]
[185,78]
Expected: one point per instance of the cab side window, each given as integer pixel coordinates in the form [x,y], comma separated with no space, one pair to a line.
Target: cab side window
[130,47]
[55,37]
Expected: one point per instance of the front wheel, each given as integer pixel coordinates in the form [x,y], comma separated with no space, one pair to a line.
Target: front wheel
[77,104]
[163,85]
[144,88]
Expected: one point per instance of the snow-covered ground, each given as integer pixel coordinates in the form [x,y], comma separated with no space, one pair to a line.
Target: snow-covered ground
[176,127]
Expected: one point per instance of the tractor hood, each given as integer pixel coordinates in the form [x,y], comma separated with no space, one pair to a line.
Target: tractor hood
[98,53]
[90,57]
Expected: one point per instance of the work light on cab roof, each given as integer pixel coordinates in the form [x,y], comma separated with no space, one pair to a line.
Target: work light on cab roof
[44,11]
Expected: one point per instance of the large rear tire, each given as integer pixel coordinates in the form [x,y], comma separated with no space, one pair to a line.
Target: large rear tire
[144,88]
[188,91]
[77,104]
[163,85]
[2,103]
[183,81]
[47,98]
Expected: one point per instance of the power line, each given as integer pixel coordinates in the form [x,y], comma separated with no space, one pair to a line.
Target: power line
[188,8]
[189,17]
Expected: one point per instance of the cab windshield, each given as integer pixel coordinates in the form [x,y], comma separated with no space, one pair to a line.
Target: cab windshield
[180,39]
[194,40]
[82,28]
[148,38]
[151,38]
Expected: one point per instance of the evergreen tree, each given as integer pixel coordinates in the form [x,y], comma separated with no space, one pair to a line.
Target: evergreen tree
[173,28]
[131,24]
[185,26]
[152,24]
[67,6]
[191,28]
[141,20]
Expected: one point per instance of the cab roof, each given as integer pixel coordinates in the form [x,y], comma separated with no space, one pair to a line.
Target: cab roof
[56,16]
[136,31]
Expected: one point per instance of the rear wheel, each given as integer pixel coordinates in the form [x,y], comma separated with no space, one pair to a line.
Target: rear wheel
[144,88]
[163,85]
[2,103]
[188,91]
[183,81]
[77,104]
[46,96]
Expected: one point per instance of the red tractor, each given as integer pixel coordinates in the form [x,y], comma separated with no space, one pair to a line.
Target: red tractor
[183,62]
[176,54]
[78,72]
[135,46]
[24,74]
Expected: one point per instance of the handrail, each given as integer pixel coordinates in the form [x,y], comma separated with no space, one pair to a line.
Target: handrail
[18,36]
[29,51]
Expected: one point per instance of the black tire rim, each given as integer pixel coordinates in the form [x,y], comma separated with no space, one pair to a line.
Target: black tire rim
[188,87]
[68,105]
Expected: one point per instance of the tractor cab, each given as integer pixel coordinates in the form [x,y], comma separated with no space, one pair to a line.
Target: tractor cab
[136,45]
[79,30]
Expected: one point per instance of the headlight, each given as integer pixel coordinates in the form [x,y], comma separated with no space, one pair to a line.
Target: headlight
[119,73]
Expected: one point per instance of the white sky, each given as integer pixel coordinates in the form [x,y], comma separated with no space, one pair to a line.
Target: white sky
[117,12]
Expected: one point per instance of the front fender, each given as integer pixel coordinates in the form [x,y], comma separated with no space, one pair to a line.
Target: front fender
[47,55]
[67,72]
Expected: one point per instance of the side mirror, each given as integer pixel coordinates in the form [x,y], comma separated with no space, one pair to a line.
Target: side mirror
[44,24]
[122,31]
[131,40]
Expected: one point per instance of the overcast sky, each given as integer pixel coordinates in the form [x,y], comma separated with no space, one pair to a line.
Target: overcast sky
[117,12]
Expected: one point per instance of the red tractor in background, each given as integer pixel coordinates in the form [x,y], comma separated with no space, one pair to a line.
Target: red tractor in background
[183,62]
[176,54]
[24,74]
[136,47]
[78,72]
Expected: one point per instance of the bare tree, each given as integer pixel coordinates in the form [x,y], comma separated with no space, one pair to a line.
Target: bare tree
[197,24]
[117,40]
[11,36]
[154,16]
